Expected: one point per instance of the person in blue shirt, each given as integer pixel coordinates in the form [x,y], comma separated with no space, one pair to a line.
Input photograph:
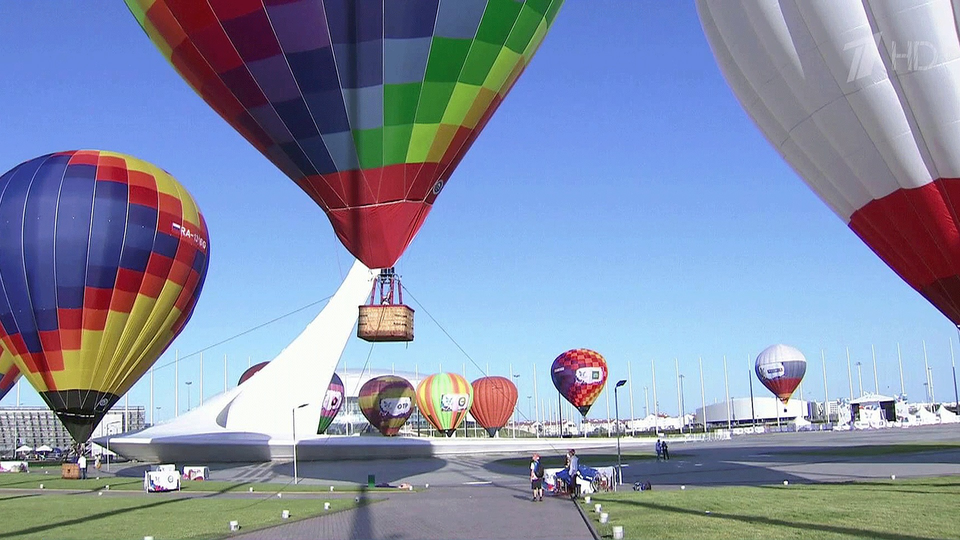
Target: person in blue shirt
[574,472]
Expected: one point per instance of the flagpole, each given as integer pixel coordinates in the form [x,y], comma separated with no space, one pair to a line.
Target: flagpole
[726,384]
[633,418]
[826,399]
[151,395]
[926,369]
[849,374]
[953,366]
[703,396]
[676,362]
[201,378]
[656,404]
[753,410]
[900,362]
[876,381]
[536,399]
[176,383]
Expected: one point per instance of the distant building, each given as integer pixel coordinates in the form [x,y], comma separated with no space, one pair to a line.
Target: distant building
[39,426]
[762,410]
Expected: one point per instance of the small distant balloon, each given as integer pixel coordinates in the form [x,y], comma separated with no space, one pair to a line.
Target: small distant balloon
[332,401]
[580,375]
[444,400]
[387,403]
[251,371]
[781,368]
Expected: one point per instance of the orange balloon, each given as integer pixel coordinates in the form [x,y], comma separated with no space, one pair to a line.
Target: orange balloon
[494,399]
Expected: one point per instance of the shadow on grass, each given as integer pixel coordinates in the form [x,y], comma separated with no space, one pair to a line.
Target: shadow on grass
[102,515]
[800,526]
[25,496]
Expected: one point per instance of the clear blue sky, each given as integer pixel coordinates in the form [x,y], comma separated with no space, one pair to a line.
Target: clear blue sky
[620,200]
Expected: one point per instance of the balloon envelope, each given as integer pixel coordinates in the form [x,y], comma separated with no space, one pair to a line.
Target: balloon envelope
[387,403]
[494,399]
[861,99]
[580,375]
[9,372]
[444,400]
[368,105]
[781,368]
[251,371]
[102,258]
[332,401]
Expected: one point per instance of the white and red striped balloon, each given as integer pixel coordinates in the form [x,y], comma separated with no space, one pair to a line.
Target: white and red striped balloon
[862,98]
[781,368]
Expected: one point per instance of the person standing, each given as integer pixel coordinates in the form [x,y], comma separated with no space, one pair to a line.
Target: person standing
[536,478]
[82,463]
[574,473]
[659,448]
[666,451]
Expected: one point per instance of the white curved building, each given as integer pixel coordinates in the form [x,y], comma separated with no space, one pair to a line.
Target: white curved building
[764,409]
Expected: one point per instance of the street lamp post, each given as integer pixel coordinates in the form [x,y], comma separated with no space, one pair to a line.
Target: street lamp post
[293,413]
[188,383]
[616,407]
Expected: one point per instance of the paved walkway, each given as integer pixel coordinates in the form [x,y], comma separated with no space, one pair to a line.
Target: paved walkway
[482,512]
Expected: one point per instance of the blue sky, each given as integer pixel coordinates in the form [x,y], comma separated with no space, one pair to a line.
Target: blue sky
[620,200]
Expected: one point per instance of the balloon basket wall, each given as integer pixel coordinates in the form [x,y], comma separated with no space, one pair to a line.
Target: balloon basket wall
[385,323]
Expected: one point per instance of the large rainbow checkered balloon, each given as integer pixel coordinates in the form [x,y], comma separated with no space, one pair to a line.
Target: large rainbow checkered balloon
[579,375]
[368,105]
[102,258]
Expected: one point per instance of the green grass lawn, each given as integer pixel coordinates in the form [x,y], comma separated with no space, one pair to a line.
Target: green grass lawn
[133,517]
[909,509]
[591,460]
[877,450]
[32,480]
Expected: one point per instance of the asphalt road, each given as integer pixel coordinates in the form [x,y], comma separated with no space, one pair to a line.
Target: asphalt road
[478,497]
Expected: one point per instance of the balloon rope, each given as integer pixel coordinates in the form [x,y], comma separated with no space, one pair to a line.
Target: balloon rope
[249,330]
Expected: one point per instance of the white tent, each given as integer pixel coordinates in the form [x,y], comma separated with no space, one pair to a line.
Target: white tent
[947,417]
[25,448]
[44,448]
[926,417]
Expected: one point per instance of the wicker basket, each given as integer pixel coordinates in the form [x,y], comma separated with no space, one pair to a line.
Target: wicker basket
[70,471]
[385,323]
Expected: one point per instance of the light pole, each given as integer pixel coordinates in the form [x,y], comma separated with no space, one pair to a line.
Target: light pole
[293,413]
[188,383]
[158,413]
[529,413]
[616,407]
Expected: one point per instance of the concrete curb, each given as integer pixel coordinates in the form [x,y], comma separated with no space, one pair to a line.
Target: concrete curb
[586,519]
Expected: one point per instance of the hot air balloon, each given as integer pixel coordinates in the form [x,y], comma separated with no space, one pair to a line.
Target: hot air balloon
[332,401]
[102,258]
[368,105]
[387,402]
[9,372]
[444,400]
[494,399]
[579,375]
[861,99]
[780,368]
[251,371]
